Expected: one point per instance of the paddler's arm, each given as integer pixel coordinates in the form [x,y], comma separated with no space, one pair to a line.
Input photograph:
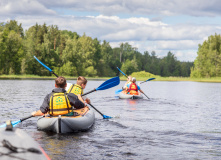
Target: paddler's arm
[44,107]
[80,98]
[141,91]
[76,101]
[37,113]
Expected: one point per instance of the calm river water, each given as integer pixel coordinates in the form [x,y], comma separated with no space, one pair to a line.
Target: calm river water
[181,120]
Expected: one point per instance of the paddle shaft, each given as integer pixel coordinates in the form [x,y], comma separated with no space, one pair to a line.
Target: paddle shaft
[26,118]
[54,73]
[148,80]
[146,95]
[96,109]
[122,72]
[46,66]
[88,92]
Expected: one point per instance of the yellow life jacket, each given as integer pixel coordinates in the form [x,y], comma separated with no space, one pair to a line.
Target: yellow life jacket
[59,104]
[75,89]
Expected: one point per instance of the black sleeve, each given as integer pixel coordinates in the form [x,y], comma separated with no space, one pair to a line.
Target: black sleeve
[74,101]
[45,105]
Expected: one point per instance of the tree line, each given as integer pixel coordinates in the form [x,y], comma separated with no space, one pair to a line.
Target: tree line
[208,60]
[69,54]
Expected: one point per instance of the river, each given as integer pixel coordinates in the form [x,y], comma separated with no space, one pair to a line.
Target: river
[181,120]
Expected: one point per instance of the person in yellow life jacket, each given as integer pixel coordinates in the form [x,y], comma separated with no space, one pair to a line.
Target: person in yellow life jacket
[59,102]
[78,88]
[133,88]
[129,81]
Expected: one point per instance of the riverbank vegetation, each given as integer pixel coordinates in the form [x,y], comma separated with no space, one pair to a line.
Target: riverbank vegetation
[208,62]
[139,78]
[71,55]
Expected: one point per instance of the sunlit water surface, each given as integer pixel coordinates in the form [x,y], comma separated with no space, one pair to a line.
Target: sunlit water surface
[181,120]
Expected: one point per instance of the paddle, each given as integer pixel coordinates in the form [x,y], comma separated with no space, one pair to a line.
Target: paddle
[106,85]
[118,91]
[122,72]
[14,123]
[150,79]
[145,95]
[45,66]
[104,116]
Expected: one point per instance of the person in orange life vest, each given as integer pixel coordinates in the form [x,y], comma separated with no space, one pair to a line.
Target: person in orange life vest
[78,88]
[129,81]
[133,88]
[59,102]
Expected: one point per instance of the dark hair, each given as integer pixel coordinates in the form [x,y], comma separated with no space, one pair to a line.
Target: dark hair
[60,82]
[81,80]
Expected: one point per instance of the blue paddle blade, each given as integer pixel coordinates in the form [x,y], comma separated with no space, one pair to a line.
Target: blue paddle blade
[109,83]
[106,117]
[118,91]
[13,124]
[3,125]
[43,64]
[150,79]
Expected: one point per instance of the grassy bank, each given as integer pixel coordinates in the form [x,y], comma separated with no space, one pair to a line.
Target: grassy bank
[47,77]
[158,78]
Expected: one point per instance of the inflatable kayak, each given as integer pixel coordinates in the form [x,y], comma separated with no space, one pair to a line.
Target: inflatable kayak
[82,120]
[17,144]
[124,95]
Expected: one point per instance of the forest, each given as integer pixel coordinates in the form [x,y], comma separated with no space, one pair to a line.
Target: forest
[68,53]
[208,61]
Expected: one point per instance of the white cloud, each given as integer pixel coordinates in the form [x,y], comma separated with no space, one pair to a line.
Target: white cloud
[178,45]
[139,31]
[23,7]
[141,7]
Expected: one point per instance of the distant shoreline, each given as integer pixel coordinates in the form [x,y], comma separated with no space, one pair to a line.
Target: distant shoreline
[158,78]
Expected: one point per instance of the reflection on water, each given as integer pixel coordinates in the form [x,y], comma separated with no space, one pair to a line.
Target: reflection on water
[180,121]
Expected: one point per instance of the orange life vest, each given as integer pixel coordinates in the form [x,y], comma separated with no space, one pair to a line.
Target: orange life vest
[133,89]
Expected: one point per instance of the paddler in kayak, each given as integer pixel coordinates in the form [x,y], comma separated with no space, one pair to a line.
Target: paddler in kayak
[78,88]
[59,102]
[133,88]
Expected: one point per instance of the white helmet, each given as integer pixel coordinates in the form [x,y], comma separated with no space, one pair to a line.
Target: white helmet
[133,79]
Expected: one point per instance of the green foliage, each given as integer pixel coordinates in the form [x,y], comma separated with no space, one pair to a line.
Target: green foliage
[66,70]
[90,71]
[11,48]
[208,61]
[143,74]
[70,54]
[130,66]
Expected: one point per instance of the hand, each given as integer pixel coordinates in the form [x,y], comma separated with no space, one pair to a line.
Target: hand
[33,113]
[87,100]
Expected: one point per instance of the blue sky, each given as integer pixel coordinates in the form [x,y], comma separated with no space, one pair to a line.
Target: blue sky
[160,26]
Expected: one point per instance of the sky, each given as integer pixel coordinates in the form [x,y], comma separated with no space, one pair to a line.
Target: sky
[178,26]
